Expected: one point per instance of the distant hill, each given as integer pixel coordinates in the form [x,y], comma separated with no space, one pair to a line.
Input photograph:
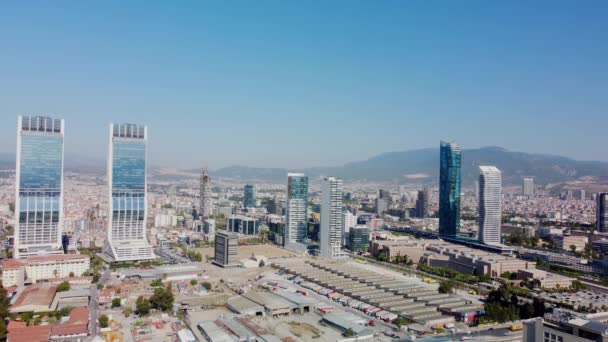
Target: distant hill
[420,166]
[423,166]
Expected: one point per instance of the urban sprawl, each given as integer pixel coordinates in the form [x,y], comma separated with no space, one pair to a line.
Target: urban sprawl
[127,254]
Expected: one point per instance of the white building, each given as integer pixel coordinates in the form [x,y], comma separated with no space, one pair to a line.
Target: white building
[38,268]
[528,186]
[330,237]
[127,191]
[349,220]
[165,220]
[297,204]
[489,204]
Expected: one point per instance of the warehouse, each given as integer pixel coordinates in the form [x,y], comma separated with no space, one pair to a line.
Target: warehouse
[274,306]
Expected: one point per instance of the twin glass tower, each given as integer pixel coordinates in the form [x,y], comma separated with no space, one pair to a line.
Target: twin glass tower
[39,190]
[127,190]
[39,186]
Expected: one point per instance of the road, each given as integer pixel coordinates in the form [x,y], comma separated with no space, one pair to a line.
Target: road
[94,302]
[498,334]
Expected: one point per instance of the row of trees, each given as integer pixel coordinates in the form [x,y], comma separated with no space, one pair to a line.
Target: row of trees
[503,306]
[521,239]
[453,274]
[398,259]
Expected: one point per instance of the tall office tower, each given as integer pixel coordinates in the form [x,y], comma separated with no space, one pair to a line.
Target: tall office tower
[226,254]
[422,203]
[127,190]
[569,195]
[528,186]
[331,217]
[490,183]
[384,194]
[205,195]
[449,189]
[297,205]
[249,196]
[582,194]
[39,186]
[349,220]
[602,211]
[381,205]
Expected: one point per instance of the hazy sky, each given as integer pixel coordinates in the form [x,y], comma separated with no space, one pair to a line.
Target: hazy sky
[309,83]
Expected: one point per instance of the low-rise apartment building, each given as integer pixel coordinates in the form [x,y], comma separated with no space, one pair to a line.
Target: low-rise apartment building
[37,268]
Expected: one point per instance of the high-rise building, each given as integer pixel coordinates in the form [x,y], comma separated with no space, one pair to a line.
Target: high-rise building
[382,204]
[349,220]
[39,186]
[226,254]
[205,195]
[358,238]
[449,189]
[331,217]
[528,186]
[582,194]
[422,203]
[490,184]
[384,194]
[569,195]
[249,196]
[297,206]
[127,190]
[602,211]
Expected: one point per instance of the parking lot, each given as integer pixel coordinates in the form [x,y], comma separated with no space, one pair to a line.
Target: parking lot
[583,298]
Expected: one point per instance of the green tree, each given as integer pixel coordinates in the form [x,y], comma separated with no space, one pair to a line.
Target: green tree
[103,321]
[116,303]
[348,333]
[4,312]
[142,306]
[162,299]
[193,282]
[577,285]
[262,263]
[446,286]
[64,286]
[206,285]
[71,275]
[156,283]
[382,256]
[127,312]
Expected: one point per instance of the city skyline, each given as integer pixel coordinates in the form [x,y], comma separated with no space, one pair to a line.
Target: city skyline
[477,69]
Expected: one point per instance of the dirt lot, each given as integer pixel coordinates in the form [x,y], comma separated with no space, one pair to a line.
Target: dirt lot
[245,252]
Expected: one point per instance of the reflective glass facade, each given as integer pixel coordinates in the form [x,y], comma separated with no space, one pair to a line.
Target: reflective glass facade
[39,189]
[127,183]
[249,196]
[128,189]
[449,189]
[297,206]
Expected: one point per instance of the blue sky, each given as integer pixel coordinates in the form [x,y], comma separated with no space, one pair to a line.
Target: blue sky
[310,83]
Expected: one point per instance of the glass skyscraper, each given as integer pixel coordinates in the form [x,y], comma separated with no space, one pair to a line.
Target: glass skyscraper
[249,196]
[297,206]
[449,189]
[127,190]
[39,186]
[602,212]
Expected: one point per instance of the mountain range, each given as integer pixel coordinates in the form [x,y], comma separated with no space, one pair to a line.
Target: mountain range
[422,166]
[416,166]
